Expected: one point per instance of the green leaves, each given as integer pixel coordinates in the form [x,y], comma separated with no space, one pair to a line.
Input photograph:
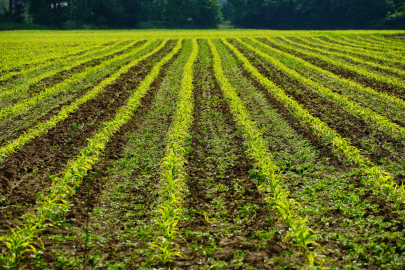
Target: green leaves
[257,149]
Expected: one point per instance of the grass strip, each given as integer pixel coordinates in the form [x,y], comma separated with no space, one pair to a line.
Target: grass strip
[26,105]
[352,107]
[172,183]
[41,128]
[270,177]
[340,146]
[51,207]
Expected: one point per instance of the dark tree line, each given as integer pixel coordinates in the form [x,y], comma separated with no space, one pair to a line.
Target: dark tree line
[316,14]
[123,13]
[264,14]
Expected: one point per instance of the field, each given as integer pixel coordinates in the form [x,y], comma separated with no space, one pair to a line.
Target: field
[228,149]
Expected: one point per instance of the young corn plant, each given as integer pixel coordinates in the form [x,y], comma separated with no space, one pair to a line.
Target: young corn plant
[51,207]
[270,178]
[173,183]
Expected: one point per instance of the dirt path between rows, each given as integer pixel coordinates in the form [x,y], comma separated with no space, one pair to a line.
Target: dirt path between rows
[48,154]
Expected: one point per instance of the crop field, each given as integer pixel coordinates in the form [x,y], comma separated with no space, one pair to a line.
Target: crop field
[228,149]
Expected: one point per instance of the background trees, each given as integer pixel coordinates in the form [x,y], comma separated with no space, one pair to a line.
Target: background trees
[265,14]
[317,14]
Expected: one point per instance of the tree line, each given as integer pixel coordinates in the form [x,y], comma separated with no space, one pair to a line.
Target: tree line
[116,13]
[259,14]
[316,14]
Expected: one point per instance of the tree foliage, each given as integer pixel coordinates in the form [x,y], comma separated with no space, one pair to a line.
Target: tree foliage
[125,13]
[316,14]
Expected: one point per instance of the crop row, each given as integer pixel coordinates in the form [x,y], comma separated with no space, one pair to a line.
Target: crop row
[31,80]
[53,205]
[270,178]
[38,53]
[376,175]
[64,112]
[25,105]
[362,71]
[174,188]
[358,51]
[389,48]
[172,184]
[352,107]
[353,90]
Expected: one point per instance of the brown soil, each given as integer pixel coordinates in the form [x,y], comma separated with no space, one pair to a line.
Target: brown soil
[355,46]
[9,125]
[51,151]
[341,50]
[377,85]
[337,119]
[77,216]
[397,36]
[324,150]
[356,63]
[313,102]
[198,171]
[61,76]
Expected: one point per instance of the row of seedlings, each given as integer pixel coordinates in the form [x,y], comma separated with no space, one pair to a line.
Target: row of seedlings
[386,104]
[172,186]
[21,99]
[386,78]
[58,61]
[364,113]
[365,45]
[269,176]
[383,84]
[342,211]
[28,173]
[51,207]
[24,114]
[226,221]
[123,187]
[339,56]
[11,146]
[376,176]
[13,127]
[38,53]
[399,63]
[32,76]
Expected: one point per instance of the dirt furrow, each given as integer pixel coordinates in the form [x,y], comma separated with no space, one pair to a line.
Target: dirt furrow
[26,172]
[348,74]
[226,212]
[376,144]
[142,178]
[61,76]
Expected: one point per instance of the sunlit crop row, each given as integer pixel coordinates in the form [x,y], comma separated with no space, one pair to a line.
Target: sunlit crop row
[168,207]
[340,145]
[89,56]
[25,105]
[394,81]
[352,107]
[50,207]
[172,183]
[64,112]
